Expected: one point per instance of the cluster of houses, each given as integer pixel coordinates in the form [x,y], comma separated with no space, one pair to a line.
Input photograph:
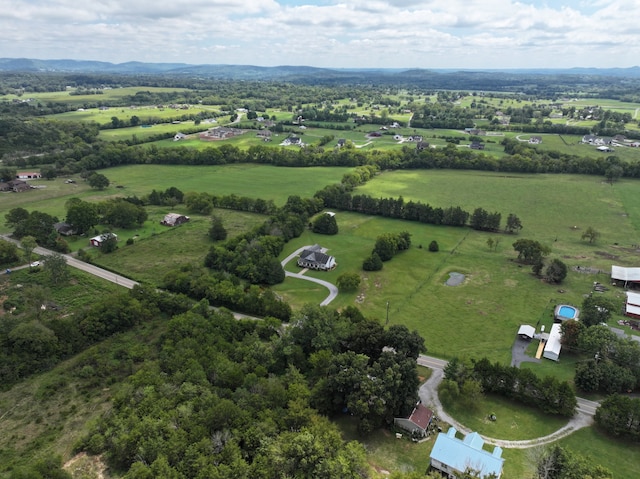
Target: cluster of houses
[606,144]
[220,133]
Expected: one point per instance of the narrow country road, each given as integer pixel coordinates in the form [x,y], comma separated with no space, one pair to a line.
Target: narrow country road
[428,393]
[81,265]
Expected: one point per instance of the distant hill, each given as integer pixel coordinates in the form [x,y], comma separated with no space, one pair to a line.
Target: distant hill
[429,78]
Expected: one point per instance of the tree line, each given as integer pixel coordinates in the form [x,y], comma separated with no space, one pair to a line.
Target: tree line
[522,385]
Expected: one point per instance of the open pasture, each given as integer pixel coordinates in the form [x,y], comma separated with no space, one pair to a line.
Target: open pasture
[159,249]
[107,95]
[144,132]
[480,317]
[256,181]
[146,114]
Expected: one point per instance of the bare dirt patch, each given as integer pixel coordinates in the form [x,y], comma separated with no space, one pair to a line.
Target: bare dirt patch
[604,254]
[83,465]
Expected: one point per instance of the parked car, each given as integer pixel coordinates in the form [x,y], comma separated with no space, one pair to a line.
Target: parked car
[35,264]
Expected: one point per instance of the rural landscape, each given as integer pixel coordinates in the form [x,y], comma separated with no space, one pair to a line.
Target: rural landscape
[284,273]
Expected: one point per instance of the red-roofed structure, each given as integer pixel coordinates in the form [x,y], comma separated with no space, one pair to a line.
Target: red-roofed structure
[418,422]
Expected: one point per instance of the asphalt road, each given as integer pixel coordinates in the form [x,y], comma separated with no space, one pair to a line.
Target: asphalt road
[89,268]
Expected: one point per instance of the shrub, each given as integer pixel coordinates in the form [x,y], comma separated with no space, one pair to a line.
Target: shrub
[372,263]
[433,246]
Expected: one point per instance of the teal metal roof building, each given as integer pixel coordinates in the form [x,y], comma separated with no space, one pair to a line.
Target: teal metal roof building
[452,455]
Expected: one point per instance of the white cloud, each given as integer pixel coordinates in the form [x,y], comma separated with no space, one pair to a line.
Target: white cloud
[331,33]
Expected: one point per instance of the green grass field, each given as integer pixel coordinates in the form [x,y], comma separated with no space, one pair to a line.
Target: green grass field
[498,294]
[186,244]
[107,95]
[255,181]
[514,421]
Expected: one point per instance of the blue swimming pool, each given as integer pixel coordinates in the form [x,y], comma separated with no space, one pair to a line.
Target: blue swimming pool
[567,311]
[564,312]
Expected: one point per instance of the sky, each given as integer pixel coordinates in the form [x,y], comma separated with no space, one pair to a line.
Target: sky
[461,34]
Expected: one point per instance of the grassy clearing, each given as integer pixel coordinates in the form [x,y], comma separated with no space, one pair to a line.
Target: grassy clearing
[142,133]
[619,457]
[105,97]
[155,253]
[146,114]
[514,421]
[385,453]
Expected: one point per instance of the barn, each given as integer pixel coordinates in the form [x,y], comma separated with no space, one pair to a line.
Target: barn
[626,275]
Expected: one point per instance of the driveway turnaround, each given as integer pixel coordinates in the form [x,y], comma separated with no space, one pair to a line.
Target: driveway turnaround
[333,289]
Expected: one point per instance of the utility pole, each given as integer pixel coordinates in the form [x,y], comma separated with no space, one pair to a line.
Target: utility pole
[387,313]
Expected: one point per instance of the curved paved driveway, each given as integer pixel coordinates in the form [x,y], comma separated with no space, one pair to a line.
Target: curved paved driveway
[333,289]
[428,393]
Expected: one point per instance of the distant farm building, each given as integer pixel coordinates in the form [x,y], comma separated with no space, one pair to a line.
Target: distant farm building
[98,240]
[452,456]
[28,175]
[418,421]
[64,229]
[174,219]
[316,258]
[17,186]
[626,275]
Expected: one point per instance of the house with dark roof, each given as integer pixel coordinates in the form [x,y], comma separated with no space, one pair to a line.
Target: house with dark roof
[18,186]
[418,421]
[453,456]
[64,229]
[477,145]
[174,219]
[316,258]
[422,145]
